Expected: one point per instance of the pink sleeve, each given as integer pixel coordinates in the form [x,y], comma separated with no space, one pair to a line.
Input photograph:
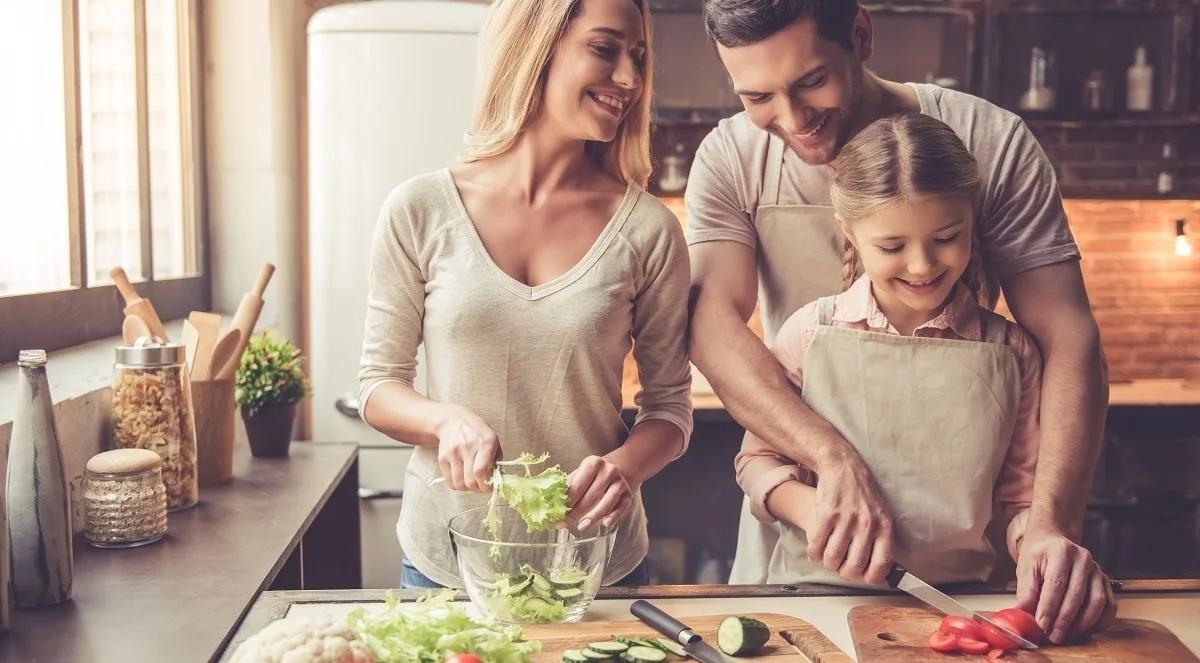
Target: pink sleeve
[1014,487]
[759,467]
[759,470]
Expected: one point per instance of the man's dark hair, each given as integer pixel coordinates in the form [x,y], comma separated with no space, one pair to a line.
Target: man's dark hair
[734,23]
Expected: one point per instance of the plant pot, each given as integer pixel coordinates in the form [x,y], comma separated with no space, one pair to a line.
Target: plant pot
[270,431]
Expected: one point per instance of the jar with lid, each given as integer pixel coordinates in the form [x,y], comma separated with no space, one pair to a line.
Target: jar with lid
[152,409]
[125,498]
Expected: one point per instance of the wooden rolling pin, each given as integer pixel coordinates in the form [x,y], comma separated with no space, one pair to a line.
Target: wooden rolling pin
[244,320]
[136,305]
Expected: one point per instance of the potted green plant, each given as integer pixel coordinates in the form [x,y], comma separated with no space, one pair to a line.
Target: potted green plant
[270,381]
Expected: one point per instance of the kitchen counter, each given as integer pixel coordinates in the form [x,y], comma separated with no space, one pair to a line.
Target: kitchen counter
[1137,393]
[282,523]
[1173,603]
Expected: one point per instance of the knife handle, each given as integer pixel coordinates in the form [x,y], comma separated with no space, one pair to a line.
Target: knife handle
[895,575]
[662,622]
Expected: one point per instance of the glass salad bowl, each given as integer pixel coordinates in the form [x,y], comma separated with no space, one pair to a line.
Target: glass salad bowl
[523,577]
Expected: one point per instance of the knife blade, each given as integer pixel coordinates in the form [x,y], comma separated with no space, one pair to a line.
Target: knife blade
[900,578]
[677,631]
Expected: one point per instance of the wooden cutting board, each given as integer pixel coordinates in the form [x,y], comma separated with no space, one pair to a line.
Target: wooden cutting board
[884,634]
[556,638]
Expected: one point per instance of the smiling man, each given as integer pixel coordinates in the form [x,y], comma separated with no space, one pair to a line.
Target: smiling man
[761,229]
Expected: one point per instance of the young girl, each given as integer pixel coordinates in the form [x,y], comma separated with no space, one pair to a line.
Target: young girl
[938,394]
[527,273]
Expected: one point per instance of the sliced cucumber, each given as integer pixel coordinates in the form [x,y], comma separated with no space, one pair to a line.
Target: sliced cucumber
[644,655]
[672,648]
[533,603]
[593,655]
[539,582]
[573,656]
[634,641]
[611,647]
[568,594]
[569,577]
[513,590]
[737,636]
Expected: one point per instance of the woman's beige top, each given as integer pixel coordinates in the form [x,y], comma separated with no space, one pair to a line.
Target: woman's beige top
[541,365]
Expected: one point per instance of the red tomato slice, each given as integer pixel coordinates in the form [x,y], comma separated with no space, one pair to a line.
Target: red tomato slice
[943,642]
[995,654]
[997,639]
[463,658]
[962,627]
[969,646]
[1024,624]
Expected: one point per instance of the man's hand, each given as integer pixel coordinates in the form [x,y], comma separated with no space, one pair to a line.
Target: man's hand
[1065,590]
[853,530]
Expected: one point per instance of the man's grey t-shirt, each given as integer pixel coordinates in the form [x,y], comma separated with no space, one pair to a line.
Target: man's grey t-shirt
[1020,210]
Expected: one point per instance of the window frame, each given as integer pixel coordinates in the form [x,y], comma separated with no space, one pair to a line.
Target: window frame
[56,319]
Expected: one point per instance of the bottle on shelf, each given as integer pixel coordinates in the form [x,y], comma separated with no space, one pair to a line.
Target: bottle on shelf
[1139,90]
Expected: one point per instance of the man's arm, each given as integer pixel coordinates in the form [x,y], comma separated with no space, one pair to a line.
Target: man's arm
[854,529]
[1054,573]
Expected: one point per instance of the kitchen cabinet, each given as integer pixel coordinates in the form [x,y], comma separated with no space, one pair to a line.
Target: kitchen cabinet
[1095,35]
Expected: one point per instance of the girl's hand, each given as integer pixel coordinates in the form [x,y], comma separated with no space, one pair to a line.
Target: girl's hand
[598,491]
[467,450]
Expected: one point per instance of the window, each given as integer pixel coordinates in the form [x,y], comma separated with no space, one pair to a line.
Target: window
[100,166]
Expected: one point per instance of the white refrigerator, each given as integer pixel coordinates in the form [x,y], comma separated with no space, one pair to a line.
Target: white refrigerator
[390,90]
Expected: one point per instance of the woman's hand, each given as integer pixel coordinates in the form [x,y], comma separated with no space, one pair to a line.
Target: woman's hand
[598,491]
[467,450]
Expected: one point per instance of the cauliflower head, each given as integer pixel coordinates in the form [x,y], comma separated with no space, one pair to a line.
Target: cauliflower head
[304,640]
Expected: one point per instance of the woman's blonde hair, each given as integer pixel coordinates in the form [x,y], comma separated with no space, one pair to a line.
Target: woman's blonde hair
[518,40]
[903,158]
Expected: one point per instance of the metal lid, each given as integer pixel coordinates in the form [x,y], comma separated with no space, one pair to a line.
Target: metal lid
[150,351]
[123,461]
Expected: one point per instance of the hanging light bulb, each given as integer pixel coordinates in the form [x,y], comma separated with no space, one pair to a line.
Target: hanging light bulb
[1183,247]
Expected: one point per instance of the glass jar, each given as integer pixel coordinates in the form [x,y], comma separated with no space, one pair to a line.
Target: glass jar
[152,409]
[125,499]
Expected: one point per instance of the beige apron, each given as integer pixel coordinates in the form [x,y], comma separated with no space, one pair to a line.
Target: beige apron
[932,419]
[799,261]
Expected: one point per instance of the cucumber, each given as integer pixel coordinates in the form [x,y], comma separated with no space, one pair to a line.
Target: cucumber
[573,656]
[567,578]
[672,648]
[513,590]
[634,641]
[611,647]
[569,594]
[742,635]
[535,603]
[593,655]
[539,582]
[644,655]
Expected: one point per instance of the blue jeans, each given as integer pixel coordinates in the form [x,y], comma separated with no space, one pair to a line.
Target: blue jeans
[411,578]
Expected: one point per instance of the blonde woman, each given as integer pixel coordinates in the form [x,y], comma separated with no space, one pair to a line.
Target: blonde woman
[527,272]
[938,394]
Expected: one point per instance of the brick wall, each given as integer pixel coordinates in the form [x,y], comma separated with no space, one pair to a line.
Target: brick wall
[1146,298]
[1122,162]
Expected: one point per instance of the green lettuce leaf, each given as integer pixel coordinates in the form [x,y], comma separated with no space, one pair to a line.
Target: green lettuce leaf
[540,499]
[434,628]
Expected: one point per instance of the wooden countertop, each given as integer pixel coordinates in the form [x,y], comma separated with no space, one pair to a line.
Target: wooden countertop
[179,599]
[1137,393]
[1173,603]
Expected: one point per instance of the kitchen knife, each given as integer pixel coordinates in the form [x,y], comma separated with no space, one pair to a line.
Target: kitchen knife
[677,631]
[900,578]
